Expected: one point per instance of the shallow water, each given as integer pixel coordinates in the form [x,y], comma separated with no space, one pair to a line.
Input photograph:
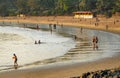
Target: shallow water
[55,47]
[21,42]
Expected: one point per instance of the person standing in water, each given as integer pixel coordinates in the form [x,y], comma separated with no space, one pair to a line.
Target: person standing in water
[15,59]
[35,42]
[95,41]
[39,42]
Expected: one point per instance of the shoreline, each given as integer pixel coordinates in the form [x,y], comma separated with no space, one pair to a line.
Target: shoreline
[69,70]
[64,71]
[104,24]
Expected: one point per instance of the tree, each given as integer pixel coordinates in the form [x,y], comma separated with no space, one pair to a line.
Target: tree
[3,10]
[117,6]
[87,5]
[22,6]
[83,5]
[105,6]
[58,7]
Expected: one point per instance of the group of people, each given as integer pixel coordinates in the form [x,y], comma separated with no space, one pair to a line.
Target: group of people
[39,42]
[95,41]
[15,57]
[95,46]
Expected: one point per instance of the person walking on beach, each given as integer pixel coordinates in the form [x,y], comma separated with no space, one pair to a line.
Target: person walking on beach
[15,59]
[81,30]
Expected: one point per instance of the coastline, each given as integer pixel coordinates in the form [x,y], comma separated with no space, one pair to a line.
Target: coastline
[104,24]
[69,70]
[64,71]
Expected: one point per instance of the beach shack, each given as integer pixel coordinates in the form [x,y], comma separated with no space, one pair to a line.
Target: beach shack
[83,14]
[21,15]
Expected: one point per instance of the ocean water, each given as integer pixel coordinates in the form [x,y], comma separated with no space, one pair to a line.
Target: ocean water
[108,45]
[21,42]
[54,47]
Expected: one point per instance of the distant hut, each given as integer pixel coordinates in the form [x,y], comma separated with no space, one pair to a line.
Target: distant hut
[83,14]
[21,16]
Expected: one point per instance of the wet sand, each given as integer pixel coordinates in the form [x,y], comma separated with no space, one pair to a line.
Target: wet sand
[63,71]
[66,71]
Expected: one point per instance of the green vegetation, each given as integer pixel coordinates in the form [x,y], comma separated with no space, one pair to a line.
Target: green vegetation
[57,7]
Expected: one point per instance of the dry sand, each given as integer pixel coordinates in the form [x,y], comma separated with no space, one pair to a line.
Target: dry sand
[67,71]
[106,24]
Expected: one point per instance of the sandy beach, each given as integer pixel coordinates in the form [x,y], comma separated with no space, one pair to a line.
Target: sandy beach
[106,24]
[67,71]
[63,71]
